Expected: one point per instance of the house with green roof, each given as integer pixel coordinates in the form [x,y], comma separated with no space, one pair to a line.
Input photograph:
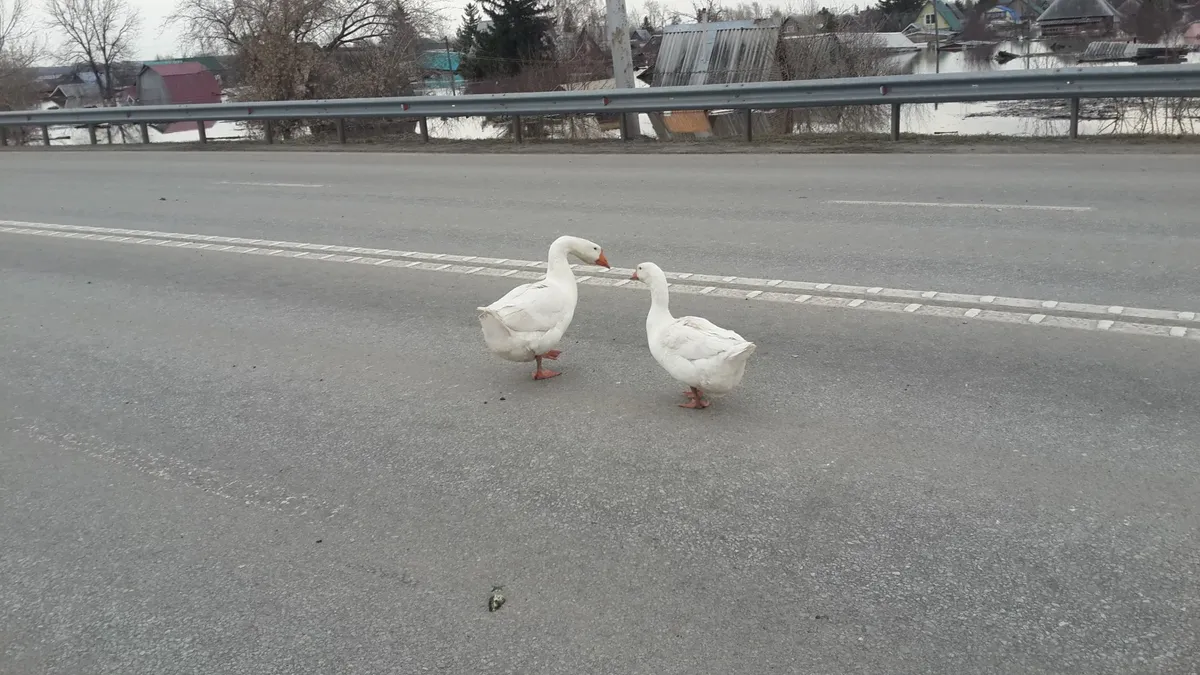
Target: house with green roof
[948,18]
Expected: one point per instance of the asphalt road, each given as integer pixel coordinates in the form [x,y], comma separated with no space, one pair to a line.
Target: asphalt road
[212,462]
[767,215]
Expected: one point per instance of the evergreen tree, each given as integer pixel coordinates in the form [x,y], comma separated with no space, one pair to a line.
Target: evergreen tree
[468,34]
[520,33]
[646,23]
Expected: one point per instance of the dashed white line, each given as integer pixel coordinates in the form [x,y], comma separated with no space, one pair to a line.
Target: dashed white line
[282,185]
[957,205]
[1137,321]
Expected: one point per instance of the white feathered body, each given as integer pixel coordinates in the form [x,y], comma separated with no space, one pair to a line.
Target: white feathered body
[530,319]
[698,352]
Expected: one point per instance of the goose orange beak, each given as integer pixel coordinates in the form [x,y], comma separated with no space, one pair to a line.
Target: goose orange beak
[602,261]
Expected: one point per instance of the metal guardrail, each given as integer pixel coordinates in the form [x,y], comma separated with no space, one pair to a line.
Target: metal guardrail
[1059,83]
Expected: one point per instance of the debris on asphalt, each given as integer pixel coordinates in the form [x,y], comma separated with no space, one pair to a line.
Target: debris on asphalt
[496,599]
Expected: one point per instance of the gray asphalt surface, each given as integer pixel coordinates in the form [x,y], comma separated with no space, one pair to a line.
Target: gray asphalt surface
[739,215]
[215,463]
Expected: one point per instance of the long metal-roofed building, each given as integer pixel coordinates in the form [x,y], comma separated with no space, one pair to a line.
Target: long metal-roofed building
[719,52]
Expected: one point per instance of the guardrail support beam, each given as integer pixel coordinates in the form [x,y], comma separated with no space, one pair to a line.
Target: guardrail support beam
[3,137]
[1074,129]
[518,129]
[203,132]
[145,128]
[269,130]
[423,123]
[895,121]
[45,135]
[749,125]
[341,130]
[92,133]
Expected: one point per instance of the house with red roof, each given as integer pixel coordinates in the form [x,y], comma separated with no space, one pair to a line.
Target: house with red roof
[182,83]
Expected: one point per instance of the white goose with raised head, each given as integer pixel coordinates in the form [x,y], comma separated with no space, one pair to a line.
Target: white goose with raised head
[529,321]
[709,359]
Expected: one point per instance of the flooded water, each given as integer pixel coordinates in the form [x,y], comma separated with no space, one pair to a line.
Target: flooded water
[1039,118]
[1033,118]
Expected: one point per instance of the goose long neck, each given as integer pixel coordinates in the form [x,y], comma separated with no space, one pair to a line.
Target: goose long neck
[557,264]
[660,300]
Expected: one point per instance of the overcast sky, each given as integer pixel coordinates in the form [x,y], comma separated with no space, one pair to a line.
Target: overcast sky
[159,40]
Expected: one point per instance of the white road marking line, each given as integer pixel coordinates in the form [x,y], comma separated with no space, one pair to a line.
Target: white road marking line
[1116,309]
[1007,310]
[876,290]
[953,205]
[283,185]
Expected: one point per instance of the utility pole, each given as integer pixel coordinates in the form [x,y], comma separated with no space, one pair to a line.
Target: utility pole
[937,38]
[450,67]
[622,59]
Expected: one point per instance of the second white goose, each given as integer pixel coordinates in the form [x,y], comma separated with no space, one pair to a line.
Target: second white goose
[709,359]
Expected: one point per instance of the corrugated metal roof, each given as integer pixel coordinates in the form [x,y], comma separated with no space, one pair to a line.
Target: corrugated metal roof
[1069,10]
[186,82]
[723,52]
[1127,51]
[182,68]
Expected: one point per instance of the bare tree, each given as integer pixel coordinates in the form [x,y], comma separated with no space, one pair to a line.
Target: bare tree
[19,49]
[307,49]
[286,45]
[98,33]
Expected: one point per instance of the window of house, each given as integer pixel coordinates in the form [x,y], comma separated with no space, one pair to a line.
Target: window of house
[929,19]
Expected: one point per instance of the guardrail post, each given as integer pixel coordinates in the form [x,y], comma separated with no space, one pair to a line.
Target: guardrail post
[203,132]
[518,129]
[269,130]
[92,133]
[1074,130]
[749,125]
[145,127]
[3,137]
[424,124]
[895,121]
[341,130]
[45,135]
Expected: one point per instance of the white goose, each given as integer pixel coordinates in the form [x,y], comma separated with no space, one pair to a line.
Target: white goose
[709,359]
[528,322]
